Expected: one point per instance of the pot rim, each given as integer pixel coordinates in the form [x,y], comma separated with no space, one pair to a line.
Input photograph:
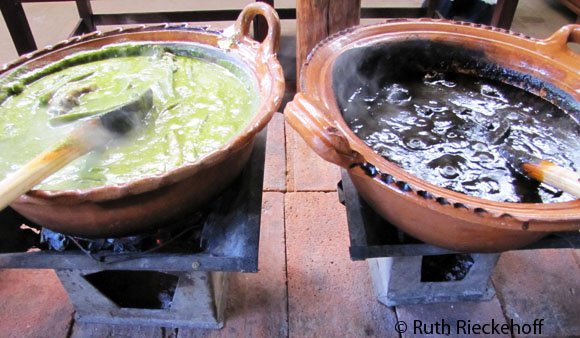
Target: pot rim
[347,150]
[257,58]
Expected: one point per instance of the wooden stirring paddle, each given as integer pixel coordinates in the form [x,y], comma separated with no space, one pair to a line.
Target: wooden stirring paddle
[540,170]
[92,134]
[544,171]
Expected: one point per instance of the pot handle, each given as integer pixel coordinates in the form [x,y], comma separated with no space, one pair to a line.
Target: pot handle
[558,43]
[242,25]
[308,118]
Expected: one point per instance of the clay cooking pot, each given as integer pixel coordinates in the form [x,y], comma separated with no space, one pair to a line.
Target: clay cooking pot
[142,204]
[442,217]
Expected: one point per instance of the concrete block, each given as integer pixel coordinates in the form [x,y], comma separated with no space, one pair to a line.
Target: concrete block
[257,302]
[398,281]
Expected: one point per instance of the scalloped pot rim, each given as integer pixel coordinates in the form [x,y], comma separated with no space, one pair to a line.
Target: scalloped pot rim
[151,182]
[372,158]
[146,203]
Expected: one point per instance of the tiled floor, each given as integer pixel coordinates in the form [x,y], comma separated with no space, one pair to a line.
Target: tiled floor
[307,285]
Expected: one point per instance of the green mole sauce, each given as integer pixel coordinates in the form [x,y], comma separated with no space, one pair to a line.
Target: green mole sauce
[198,105]
[435,127]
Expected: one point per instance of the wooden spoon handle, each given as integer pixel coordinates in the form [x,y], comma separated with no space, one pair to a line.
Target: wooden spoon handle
[39,168]
[554,175]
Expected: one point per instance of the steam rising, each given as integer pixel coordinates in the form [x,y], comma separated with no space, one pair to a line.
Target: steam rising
[409,102]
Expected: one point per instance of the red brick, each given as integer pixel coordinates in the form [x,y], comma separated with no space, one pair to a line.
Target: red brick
[576,254]
[429,314]
[328,294]
[275,164]
[541,284]
[91,330]
[33,303]
[257,301]
[306,170]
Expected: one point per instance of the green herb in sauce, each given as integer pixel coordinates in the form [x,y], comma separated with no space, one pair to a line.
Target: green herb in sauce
[198,106]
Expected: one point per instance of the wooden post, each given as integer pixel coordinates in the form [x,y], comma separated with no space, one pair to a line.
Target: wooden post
[18,27]
[432,6]
[503,14]
[86,14]
[317,19]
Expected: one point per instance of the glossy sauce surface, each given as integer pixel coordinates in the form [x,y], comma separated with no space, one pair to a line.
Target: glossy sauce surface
[448,130]
[197,106]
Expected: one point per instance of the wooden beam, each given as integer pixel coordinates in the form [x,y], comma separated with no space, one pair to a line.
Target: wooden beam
[503,14]
[317,19]
[86,14]
[18,26]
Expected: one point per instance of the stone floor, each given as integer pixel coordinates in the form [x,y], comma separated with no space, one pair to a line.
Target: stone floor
[307,286]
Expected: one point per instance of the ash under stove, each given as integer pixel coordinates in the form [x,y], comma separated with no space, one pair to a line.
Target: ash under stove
[407,271]
[174,277]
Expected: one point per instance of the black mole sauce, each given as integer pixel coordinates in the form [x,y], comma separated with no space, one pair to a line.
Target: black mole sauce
[432,127]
